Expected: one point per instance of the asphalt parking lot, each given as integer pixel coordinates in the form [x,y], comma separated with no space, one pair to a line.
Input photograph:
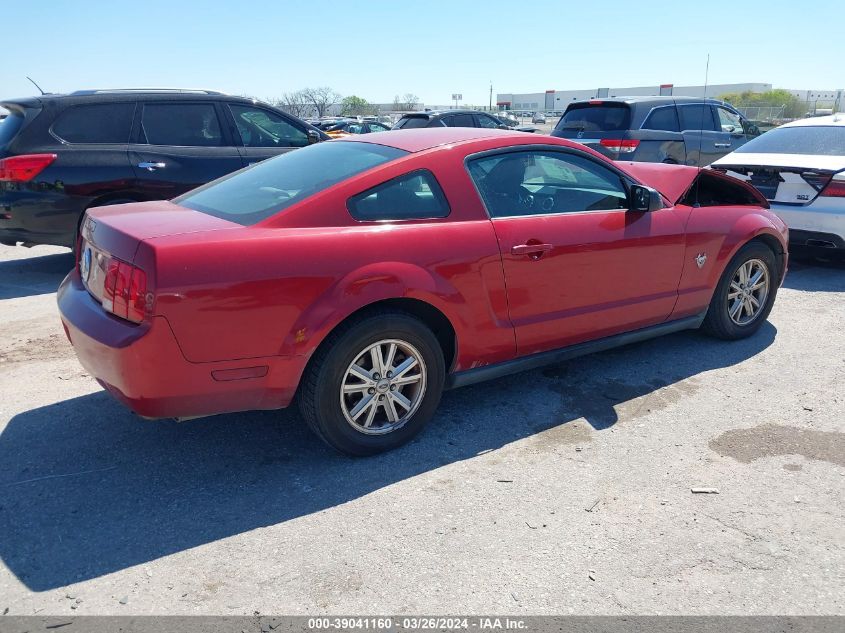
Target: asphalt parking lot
[564,490]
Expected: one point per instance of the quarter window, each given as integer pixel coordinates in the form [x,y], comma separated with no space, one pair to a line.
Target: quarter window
[414,196]
[261,128]
[102,123]
[662,119]
[542,182]
[181,124]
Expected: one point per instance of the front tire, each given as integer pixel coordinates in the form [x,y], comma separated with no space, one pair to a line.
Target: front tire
[744,295]
[373,384]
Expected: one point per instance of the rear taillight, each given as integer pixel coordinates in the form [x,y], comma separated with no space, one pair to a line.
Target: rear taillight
[24,168]
[834,189]
[620,146]
[125,291]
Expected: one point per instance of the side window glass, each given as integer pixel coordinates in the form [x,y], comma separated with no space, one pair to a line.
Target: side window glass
[102,123]
[262,128]
[534,183]
[460,120]
[696,116]
[183,124]
[486,121]
[729,121]
[665,118]
[414,196]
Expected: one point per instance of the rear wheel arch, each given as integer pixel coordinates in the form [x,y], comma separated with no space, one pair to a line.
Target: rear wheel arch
[429,315]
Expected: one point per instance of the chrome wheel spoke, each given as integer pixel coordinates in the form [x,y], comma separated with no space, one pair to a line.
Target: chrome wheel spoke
[391,354]
[371,414]
[364,403]
[378,361]
[361,373]
[402,400]
[734,311]
[406,365]
[407,380]
[390,408]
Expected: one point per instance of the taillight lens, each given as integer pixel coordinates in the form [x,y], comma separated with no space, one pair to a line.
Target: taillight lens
[620,146]
[834,189]
[24,168]
[125,291]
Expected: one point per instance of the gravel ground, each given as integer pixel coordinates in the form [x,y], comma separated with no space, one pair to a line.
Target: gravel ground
[564,490]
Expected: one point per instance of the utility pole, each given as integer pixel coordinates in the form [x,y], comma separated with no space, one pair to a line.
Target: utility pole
[490,105]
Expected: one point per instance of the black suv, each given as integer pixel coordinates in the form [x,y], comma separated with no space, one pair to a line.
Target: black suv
[448,118]
[62,154]
[683,130]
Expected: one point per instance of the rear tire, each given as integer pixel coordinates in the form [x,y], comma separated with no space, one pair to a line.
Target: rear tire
[744,295]
[373,384]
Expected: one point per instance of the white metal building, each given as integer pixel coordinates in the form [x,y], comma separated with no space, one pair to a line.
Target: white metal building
[558,99]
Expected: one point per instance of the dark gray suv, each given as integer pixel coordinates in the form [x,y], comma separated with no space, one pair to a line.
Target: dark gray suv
[682,130]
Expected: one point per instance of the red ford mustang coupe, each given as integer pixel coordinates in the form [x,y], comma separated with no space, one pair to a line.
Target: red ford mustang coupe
[363,276]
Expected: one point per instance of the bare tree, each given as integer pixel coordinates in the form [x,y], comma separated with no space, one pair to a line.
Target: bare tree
[295,103]
[321,98]
[410,101]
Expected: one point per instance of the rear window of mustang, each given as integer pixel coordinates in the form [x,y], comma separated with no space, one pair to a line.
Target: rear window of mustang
[252,195]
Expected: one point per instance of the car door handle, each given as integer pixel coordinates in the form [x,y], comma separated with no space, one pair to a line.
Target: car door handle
[728,144]
[151,166]
[534,251]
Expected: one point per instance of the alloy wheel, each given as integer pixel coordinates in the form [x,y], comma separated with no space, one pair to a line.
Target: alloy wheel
[383,387]
[748,291]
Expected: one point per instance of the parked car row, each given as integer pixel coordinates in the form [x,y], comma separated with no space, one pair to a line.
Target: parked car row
[63,154]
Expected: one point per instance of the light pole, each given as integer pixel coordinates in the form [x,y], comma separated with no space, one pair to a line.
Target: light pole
[490,105]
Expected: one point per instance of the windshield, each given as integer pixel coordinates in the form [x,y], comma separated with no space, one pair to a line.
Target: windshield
[252,195]
[818,140]
[596,117]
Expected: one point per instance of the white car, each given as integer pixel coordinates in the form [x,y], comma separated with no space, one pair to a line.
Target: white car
[800,169]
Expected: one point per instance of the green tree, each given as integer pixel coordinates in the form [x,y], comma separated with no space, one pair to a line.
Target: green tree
[793,107]
[356,106]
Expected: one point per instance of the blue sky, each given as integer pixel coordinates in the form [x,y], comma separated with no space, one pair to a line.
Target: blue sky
[379,49]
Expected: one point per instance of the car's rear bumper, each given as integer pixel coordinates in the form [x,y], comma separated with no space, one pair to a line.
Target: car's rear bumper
[823,221]
[143,366]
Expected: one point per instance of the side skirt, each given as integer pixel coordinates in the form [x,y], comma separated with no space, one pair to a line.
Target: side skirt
[480,374]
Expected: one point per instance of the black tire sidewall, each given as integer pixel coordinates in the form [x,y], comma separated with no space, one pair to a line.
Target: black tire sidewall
[333,426]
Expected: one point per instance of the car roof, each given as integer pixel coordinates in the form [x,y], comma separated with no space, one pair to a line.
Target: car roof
[655,99]
[431,113]
[128,94]
[831,119]
[420,139]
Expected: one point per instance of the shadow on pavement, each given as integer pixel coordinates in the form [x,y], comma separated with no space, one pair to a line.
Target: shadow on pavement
[815,275]
[88,489]
[33,275]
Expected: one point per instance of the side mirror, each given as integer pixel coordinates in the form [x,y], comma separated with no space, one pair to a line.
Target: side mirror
[502,126]
[645,199]
[313,137]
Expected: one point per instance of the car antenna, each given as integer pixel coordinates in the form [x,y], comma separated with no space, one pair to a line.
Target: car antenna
[701,130]
[36,85]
